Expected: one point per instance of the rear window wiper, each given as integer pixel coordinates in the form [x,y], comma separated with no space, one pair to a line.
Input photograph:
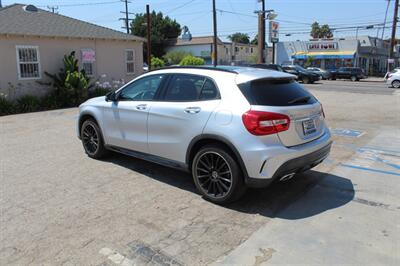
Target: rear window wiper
[303,99]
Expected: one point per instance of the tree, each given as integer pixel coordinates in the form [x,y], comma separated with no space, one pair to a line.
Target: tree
[239,38]
[255,40]
[162,30]
[319,32]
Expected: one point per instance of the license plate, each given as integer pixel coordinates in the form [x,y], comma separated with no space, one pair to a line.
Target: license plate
[309,127]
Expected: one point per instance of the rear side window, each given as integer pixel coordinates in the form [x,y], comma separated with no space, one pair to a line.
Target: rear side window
[276,93]
[186,88]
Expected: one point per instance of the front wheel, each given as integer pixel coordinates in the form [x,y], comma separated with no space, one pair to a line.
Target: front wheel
[396,84]
[92,139]
[306,80]
[353,78]
[217,175]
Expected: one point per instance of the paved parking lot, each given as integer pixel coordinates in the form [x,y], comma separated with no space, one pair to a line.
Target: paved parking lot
[60,207]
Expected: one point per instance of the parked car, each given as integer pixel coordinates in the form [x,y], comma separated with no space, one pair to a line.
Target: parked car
[275,67]
[221,124]
[324,74]
[393,79]
[352,73]
[302,74]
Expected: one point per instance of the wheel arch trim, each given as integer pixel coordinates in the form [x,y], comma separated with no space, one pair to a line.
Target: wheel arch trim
[218,139]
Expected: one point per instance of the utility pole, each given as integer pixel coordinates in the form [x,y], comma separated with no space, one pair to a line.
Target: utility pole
[215,45]
[52,8]
[148,36]
[395,18]
[126,18]
[261,33]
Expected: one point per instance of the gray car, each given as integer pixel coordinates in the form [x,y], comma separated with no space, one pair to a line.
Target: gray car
[231,127]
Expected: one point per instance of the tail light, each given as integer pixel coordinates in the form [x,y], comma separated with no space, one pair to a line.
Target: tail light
[265,123]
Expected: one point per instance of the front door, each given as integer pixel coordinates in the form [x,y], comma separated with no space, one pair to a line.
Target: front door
[125,120]
[181,114]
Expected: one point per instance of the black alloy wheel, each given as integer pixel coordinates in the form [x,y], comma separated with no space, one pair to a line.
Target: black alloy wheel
[92,139]
[217,175]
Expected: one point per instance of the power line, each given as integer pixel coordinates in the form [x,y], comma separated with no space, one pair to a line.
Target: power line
[178,7]
[84,4]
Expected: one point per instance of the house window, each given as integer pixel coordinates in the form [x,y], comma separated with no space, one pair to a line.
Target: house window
[247,50]
[28,62]
[251,50]
[88,68]
[130,61]
[88,59]
[236,49]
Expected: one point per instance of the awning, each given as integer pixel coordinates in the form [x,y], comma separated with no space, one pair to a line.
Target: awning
[324,55]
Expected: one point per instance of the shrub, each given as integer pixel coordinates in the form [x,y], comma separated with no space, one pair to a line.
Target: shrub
[71,85]
[6,107]
[99,91]
[28,103]
[191,61]
[175,57]
[156,63]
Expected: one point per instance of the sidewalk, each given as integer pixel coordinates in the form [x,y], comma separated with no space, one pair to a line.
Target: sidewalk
[373,79]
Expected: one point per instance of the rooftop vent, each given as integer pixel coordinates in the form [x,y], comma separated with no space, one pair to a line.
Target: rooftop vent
[30,8]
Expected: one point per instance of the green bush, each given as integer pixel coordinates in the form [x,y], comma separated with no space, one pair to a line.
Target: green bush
[98,91]
[156,63]
[28,103]
[192,61]
[175,57]
[6,107]
[71,84]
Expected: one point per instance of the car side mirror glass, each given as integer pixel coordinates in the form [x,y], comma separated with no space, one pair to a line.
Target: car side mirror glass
[111,96]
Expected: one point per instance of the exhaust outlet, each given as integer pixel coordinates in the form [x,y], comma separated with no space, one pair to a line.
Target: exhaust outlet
[287,177]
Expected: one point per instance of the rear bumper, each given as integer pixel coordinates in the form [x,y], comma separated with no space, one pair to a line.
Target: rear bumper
[295,165]
[273,161]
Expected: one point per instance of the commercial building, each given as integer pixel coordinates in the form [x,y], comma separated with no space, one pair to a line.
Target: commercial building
[369,53]
[34,41]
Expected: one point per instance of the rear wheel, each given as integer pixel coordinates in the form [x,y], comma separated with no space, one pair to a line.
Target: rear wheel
[353,78]
[217,175]
[92,139]
[396,84]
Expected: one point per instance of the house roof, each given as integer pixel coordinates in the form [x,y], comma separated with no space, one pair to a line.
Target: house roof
[14,20]
[194,41]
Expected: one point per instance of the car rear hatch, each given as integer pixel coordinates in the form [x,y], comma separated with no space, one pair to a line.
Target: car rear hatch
[287,97]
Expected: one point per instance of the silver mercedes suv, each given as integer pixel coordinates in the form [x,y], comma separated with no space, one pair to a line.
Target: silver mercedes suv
[231,127]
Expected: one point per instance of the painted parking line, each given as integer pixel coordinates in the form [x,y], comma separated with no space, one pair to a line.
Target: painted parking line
[370,169]
[344,132]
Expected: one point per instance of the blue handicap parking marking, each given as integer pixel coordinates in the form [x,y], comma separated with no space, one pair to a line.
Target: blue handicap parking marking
[347,132]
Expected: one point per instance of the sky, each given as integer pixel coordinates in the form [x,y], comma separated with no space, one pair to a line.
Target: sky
[295,16]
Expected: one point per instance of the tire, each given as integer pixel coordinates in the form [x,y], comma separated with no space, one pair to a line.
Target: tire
[353,78]
[217,175]
[92,140]
[305,80]
[396,84]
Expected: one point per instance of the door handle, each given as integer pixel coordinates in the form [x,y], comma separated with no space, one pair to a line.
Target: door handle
[141,107]
[192,110]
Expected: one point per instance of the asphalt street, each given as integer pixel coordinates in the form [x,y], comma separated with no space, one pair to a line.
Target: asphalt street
[362,87]
[59,207]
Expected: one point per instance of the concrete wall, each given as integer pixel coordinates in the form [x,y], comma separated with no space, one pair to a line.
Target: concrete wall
[110,60]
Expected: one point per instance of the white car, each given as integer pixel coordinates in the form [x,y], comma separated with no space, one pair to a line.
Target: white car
[231,127]
[393,79]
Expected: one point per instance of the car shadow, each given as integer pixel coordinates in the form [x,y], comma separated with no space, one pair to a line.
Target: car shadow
[305,195]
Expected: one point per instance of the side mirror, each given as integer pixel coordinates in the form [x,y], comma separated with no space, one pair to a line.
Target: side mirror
[111,97]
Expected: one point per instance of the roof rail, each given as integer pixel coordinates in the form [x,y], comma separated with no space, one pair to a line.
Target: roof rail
[198,67]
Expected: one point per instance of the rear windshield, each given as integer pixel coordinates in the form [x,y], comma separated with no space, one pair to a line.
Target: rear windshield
[276,93]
